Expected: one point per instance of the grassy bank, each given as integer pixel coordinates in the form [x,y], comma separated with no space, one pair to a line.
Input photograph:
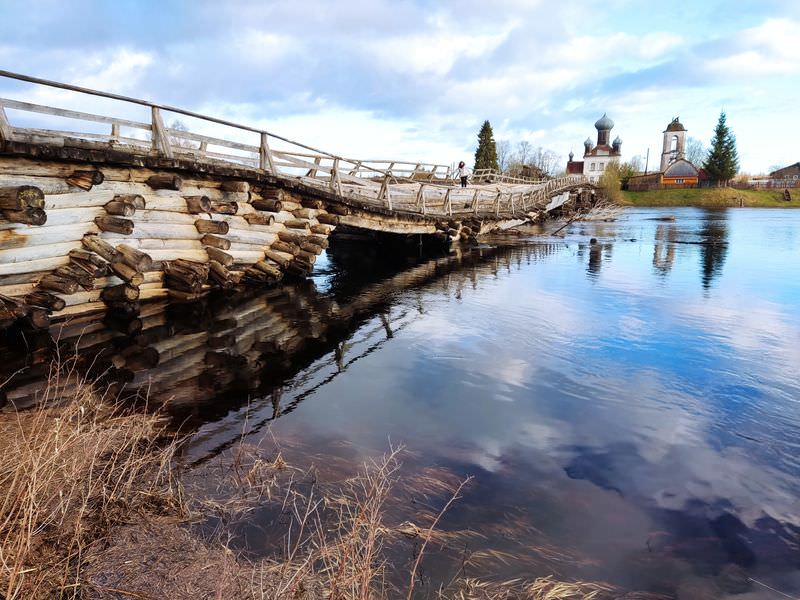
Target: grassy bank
[711,198]
[97,506]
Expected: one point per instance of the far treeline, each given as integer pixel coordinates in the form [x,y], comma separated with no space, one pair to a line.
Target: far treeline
[720,162]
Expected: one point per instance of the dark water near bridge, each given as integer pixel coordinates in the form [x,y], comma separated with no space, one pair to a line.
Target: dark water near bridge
[629,409]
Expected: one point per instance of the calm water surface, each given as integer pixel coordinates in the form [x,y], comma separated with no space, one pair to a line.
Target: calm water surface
[629,408]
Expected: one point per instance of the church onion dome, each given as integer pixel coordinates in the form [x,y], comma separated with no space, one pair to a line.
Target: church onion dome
[676,125]
[604,123]
[588,142]
[617,141]
[571,155]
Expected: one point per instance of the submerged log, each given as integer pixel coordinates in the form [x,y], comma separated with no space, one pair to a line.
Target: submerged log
[207,226]
[114,224]
[38,318]
[165,182]
[223,258]
[21,197]
[28,216]
[271,270]
[197,204]
[267,204]
[216,242]
[86,179]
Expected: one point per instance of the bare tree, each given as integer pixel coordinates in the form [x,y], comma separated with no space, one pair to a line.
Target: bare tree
[503,155]
[524,150]
[178,141]
[696,151]
[636,164]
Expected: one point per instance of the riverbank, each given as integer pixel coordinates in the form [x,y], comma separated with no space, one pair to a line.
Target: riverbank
[711,198]
[104,508]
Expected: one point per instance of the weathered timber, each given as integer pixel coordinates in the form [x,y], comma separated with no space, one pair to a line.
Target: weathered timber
[137,200]
[306,257]
[267,204]
[288,247]
[127,273]
[120,209]
[100,247]
[235,186]
[38,318]
[73,271]
[297,224]
[85,180]
[321,229]
[216,242]
[271,270]
[55,283]
[165,182]
[197,204]
[208,226]
[135,258]
[114,224]
[338,209]
[304,213]
[312,203]
[27,216]
[186,275]
[278,257]
[219,274]
[224,208]
[43,299]
[259,218]
[223,258]
[21,197]
[120,293]
[328,219]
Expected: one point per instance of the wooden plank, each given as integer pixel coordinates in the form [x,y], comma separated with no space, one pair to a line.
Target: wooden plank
[70,114]
[5,126]
[160,139]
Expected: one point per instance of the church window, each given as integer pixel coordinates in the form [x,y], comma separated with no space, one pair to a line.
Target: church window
[602,166]
[679,181]
[591,167]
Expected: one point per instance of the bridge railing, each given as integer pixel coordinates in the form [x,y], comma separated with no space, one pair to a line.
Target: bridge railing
[418,187]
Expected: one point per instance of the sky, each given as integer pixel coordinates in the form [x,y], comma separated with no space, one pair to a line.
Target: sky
[414,80]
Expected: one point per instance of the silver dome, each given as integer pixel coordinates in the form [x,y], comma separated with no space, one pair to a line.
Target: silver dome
[604,123]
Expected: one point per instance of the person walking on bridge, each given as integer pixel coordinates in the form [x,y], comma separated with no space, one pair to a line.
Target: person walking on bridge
[463,173]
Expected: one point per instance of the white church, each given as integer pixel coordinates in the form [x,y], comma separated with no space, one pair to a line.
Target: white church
[596,158]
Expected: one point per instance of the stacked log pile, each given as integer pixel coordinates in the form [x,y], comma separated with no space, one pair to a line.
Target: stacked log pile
[75,239]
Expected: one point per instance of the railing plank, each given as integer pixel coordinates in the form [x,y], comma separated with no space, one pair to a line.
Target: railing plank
[70,114]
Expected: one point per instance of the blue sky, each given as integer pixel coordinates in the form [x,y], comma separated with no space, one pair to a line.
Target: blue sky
[414,80]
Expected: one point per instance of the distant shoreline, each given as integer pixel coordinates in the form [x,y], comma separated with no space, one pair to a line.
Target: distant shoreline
[712,198]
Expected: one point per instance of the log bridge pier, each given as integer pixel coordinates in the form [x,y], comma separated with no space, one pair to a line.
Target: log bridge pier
[101,212]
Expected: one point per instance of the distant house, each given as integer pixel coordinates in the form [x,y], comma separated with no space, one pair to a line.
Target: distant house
[676,171]
[791,172]
[597,158]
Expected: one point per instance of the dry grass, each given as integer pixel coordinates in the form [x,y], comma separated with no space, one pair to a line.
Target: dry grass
[92,509]
[67,476]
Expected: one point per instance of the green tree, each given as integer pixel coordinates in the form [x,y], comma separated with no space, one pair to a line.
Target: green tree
[610,182]
[722,163]
[486,153]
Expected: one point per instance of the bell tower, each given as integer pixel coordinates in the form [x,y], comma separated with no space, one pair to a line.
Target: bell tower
[674,143]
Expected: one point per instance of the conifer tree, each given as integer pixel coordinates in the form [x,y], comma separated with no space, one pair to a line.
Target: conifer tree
[722,163]
[486,153]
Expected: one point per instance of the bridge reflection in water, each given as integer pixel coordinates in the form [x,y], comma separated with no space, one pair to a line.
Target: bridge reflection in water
[203,358]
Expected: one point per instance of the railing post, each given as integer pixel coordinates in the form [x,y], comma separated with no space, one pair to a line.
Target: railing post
[265,155]
[497,204]
[448,203]
[313,172]
[475,201]
[513,209]
[160,139]
[420,194]
[114,130]
[387,191]
[5,126]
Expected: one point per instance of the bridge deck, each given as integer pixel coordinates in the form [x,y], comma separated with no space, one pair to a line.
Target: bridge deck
[400,186]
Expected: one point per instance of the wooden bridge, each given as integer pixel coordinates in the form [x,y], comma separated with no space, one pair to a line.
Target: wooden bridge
[98,210]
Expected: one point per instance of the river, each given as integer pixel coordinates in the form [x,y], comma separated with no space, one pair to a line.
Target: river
[626,397]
